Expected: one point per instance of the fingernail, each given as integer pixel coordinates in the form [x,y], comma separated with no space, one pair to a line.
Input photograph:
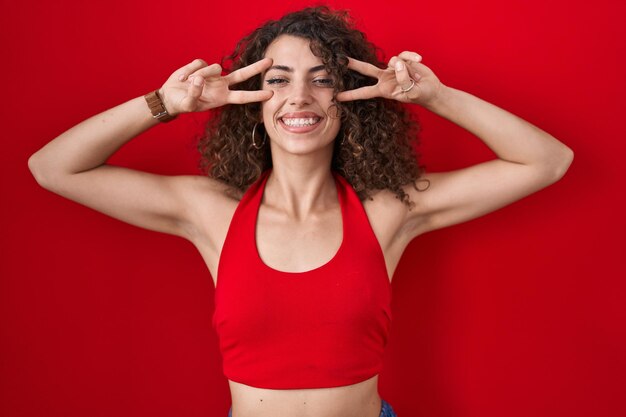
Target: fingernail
[181,77]
[399,66]
[417,58]
[198,81]
[417,76]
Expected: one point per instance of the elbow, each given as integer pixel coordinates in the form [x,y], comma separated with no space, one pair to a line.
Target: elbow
[564,162]
[559,164]
[37,169]
[34,167]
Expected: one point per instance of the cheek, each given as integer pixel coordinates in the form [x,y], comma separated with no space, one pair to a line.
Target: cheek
[266,110]
[267,117]
[273,102]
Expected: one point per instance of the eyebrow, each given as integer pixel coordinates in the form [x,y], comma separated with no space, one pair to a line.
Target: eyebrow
[289,69]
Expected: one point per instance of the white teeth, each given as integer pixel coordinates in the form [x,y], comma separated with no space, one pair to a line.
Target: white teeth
[301,122]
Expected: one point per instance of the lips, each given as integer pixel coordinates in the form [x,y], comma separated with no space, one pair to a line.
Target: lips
[300,122]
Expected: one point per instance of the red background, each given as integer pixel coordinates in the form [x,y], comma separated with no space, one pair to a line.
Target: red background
[518,313]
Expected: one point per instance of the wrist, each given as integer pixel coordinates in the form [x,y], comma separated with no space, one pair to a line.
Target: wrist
[168,106]
[437,103]
[157,105]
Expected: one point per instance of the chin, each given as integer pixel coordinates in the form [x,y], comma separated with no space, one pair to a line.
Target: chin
[301,146]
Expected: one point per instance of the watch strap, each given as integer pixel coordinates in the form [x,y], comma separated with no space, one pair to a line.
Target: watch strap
[157,107]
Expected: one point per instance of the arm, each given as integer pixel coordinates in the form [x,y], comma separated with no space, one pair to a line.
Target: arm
[529,159]
[73,165]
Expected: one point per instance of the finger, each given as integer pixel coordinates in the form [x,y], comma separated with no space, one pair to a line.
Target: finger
[364,68]
[194,91]
[419,70]
[206,72]
[413,62]
[392,62]
[244,73]
[362,93]
[410,56]
[243,97]
[188,69]
[423,69]
[402,75]
[411,66]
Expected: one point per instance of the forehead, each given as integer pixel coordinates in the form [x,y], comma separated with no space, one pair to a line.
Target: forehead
[292,50]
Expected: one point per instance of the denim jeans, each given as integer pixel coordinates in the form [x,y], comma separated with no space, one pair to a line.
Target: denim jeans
[385,410]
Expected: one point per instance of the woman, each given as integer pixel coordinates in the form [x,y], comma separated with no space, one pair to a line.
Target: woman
[310,201]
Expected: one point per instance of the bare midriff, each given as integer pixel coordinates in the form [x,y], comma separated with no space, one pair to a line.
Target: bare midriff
[357,400]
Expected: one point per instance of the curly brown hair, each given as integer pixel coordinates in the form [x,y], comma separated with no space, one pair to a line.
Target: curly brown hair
[373,149]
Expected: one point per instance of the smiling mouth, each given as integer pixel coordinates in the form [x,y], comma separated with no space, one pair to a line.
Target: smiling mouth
[300,121]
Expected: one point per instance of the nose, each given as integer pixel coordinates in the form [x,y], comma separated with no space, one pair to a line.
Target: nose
[300,93]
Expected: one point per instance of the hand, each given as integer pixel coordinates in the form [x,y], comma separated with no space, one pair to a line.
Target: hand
[403,70]
[199,87]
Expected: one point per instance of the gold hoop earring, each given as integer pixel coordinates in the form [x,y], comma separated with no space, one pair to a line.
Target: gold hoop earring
[254,141]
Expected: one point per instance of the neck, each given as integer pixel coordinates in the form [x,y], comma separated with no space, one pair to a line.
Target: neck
[300,186]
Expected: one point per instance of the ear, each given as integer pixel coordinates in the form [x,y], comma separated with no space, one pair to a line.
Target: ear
[334,112]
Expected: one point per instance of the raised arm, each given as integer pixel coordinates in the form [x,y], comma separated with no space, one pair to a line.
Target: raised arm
[74,164]
[529,159]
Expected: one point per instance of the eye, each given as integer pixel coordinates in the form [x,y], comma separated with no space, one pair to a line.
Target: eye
[325,82]
[275,81]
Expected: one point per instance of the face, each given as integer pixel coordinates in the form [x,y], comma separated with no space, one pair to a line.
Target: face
[300,117]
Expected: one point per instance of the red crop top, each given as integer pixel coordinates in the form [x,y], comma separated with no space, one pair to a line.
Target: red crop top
[321,328]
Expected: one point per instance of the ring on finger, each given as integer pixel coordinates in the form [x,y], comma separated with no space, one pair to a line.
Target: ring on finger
[406,90]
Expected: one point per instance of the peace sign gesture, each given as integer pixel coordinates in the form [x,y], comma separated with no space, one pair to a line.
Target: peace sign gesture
[406,79]
[199,87]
